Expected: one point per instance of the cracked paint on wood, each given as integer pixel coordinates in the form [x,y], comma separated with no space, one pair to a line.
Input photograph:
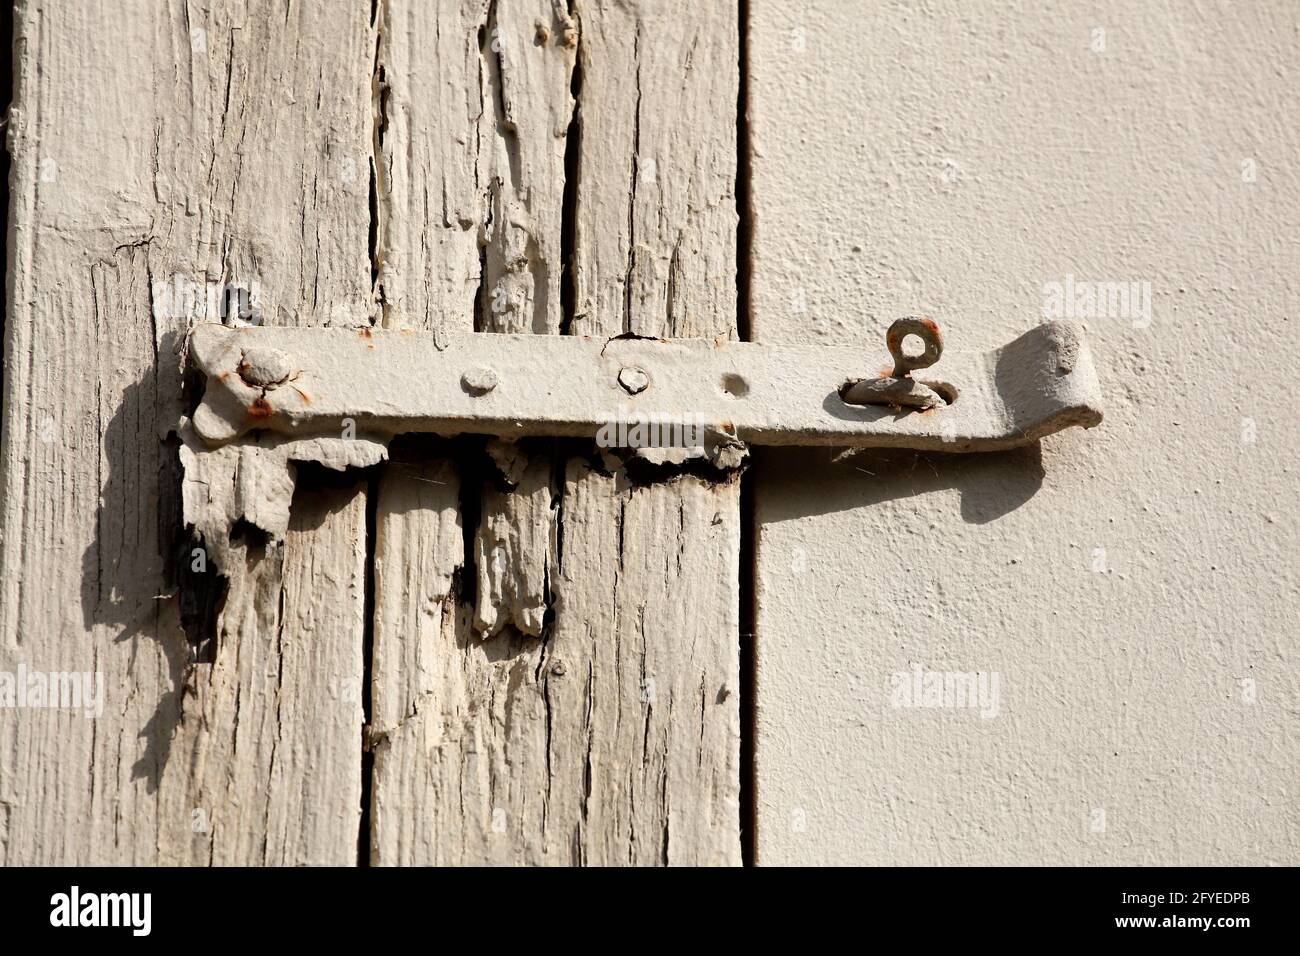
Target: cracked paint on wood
[508,747]
[245,145]
[612,741]
[203,146]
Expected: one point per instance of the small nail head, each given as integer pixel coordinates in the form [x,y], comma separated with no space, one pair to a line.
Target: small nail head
[479,380]
[633,379]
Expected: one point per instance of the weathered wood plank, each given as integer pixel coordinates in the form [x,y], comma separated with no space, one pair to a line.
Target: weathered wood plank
[268,751]
[419,681]
[655,248]
[239,157]
[470,203]
[614,737]
[305,620]
[428,169]
[640,683]
[473,105]
[673,592]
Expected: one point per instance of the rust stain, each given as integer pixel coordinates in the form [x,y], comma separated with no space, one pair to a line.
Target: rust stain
[223,376]
[306,399]
[365,333]
[260,410]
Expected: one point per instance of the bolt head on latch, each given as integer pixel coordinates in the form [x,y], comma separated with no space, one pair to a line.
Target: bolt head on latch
[479,380]
[264,367]
[633,379]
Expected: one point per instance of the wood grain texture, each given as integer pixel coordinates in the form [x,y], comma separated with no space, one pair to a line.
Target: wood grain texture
[473,105]
[614,740]
[247,155]
[158,149]
[656,209]
[613,737]
[530,49]
[269,743]
[428,169]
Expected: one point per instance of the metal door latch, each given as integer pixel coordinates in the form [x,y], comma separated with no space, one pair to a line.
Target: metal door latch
[274,396]
[305,382]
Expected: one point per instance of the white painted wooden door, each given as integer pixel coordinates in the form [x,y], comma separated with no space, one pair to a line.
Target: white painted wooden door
[465,655]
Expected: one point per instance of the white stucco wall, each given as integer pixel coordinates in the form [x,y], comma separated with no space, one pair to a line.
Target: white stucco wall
[1134,587]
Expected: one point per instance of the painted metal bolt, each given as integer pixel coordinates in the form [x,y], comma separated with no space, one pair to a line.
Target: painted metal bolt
[266,368]
[633,379]
[479,380]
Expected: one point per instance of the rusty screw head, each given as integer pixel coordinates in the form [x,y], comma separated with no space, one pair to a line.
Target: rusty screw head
[266,368]
[926,331]
[479,380]
[633,379]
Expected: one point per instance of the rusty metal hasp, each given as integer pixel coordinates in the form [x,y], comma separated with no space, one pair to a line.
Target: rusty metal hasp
[302,383]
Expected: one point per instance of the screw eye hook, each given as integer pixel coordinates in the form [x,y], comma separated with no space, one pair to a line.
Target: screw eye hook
[924,329]
[899,389]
